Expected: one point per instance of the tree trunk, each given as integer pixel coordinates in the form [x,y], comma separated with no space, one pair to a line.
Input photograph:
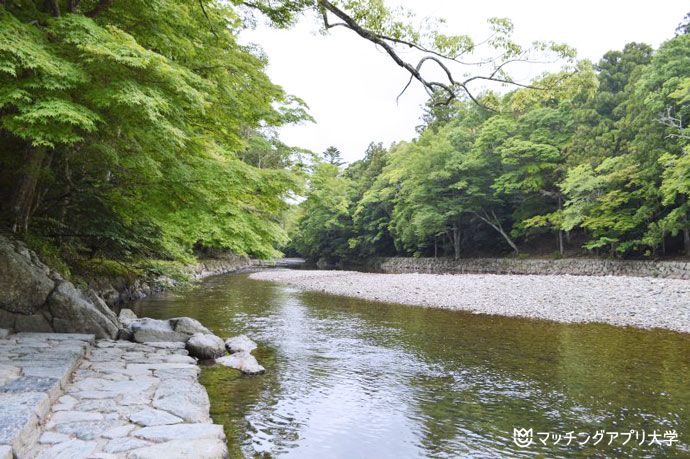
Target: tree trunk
[25,189]
[73,6]
[455,238]
[686,241]
[496,224]
[435,246]
[53,7]
[100,7]
[560,231]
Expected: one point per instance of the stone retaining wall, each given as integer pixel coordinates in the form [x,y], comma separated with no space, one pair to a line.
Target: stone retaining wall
[572,266]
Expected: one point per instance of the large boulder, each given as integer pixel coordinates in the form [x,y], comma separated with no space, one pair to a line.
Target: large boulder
[188,325]
[24,280]
[243,361]
[126,316]
[35,298]
[240,343]
[75,312]
[205,346]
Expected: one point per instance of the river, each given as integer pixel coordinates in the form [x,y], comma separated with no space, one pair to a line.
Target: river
[359,379]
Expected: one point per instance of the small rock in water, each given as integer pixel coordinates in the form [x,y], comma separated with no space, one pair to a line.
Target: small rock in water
[240,343]
[188,325]
[243,361]
[151,330]
[205,346]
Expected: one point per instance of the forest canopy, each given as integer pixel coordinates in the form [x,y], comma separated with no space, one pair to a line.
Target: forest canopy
[135,131]
[597,164]
[144,130]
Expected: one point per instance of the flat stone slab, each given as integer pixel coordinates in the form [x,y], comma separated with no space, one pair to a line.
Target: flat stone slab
[197,449]
[31,384]
[153,417]
[56,336]
[43,363]
[128,400]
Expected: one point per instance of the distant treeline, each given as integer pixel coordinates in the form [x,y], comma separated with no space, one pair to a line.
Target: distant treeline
[600,164]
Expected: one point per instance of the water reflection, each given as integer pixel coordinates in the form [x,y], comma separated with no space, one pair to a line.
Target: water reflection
[350,378]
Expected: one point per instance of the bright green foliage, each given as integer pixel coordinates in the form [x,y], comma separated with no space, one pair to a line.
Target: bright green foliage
[152,120]
[325,227]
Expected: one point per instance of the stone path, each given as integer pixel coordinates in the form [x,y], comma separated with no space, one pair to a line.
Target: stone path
[34,370]
[125,400]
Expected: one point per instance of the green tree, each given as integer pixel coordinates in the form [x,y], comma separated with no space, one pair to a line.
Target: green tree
[325,226]
[333,156]
[121,125]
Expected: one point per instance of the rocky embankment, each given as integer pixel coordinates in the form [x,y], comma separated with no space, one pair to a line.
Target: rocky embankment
[35,298]
[197,339]
[635,301]
[134,397]
[118,291]
[72,396]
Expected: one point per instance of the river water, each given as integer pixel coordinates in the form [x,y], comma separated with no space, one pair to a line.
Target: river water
[358,379]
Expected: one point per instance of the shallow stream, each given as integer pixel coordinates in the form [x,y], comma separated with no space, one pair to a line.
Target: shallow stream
[359,379]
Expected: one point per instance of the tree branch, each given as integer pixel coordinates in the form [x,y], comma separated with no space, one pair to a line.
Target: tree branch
[351,24]
[210,24]
[452,88]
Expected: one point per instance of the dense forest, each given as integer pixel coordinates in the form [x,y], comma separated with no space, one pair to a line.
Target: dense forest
[136,131]
[138,135]
[598,164]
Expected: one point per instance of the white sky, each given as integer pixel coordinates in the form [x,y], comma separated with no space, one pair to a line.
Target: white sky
[351,86]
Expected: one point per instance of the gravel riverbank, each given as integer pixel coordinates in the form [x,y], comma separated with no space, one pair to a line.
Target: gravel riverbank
[634,301]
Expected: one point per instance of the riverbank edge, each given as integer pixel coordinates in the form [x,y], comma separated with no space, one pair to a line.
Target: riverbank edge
[116,399]
[34,297]
[534,266]
[99,298]
[118,292]
[619,301]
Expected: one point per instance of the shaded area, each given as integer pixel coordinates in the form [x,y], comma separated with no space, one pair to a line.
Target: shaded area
[353,378]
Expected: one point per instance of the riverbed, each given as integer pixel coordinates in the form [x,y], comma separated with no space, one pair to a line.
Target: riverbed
[348,377]
[644,302]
